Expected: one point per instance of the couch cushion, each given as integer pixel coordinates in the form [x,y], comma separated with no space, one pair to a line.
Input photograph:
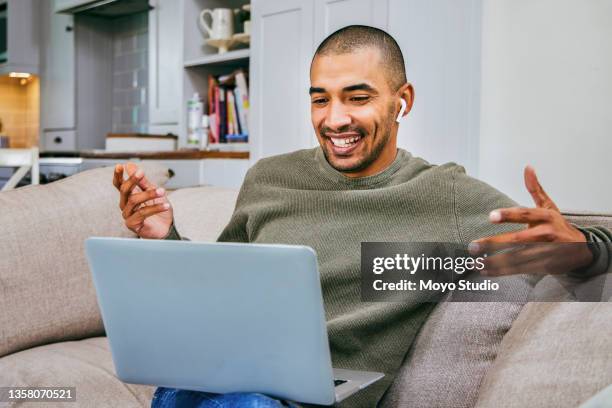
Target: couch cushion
[86,365]
[556,355]
[201,213]
[451,355]
[46,293]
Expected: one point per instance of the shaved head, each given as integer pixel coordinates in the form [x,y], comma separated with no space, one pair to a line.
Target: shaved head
[357,37]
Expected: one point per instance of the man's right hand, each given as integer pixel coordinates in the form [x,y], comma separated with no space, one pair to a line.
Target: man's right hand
[145,208]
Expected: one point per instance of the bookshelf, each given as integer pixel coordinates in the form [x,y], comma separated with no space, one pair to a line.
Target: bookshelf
[219,59]
[201,60]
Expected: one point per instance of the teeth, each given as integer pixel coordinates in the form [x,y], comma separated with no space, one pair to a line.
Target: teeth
[345,142]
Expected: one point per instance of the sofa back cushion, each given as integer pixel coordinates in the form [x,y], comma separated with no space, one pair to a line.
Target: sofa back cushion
[555,354]
[46,292]
[453,351]
[201,213]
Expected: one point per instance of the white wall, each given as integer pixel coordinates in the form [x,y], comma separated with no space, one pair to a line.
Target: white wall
[440,40]
[547,99]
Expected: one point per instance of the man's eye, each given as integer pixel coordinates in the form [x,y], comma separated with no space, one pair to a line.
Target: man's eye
[319,101]
[361,98]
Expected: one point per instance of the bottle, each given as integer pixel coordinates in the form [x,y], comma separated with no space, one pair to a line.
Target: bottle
[204,136]
[195,108]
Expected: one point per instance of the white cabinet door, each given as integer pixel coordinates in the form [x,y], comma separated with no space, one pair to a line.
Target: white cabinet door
[165,68]
[281,50]
[57,70]
[22,37]
[330,15]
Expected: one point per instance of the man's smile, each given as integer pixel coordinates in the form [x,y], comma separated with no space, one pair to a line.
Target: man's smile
[343,144]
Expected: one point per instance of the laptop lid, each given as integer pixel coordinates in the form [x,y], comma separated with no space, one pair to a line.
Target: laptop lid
[216,317]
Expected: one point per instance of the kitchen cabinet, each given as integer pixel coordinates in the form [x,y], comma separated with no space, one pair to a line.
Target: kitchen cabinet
[58,140]
[165,67]
[57,71]
[76,70]
[58,80]
[281,49]
[21,36]
[101,8]
[63,5]
[331,15]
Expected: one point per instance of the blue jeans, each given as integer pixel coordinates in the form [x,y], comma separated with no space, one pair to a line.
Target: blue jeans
[174,398]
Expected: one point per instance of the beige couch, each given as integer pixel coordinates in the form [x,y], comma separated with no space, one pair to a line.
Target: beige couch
[467,354]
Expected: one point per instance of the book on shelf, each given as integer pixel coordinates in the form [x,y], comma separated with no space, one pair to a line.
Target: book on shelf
[228,107]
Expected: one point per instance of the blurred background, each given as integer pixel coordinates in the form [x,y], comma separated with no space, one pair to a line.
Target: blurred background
[210,86]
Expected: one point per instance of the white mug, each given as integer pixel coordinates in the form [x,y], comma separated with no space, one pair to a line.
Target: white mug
[222,26]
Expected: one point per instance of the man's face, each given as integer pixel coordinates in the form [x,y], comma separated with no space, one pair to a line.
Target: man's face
[353,111]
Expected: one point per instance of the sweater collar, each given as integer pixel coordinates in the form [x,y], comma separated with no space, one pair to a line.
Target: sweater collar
[367,181]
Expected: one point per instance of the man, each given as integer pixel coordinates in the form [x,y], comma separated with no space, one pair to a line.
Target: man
[357,186]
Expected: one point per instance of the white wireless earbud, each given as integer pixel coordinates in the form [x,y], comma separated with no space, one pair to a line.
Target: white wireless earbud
[402,110]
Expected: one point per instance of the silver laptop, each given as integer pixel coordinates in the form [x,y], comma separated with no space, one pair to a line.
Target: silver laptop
[218,317]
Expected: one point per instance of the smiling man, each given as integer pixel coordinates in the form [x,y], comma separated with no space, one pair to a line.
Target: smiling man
[354,106]
[356,187]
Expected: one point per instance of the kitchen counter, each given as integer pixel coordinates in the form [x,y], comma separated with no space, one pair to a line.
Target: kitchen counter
[165,155]
[188,168]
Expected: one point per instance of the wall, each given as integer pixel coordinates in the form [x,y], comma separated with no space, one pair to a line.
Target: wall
[130,67]
[440,40]
[546,92]
[19,111]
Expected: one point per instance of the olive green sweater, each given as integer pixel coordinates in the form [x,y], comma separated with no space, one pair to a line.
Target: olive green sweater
[298,198]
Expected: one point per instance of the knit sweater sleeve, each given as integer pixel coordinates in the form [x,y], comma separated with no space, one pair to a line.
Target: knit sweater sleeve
[173,234]
[473,201]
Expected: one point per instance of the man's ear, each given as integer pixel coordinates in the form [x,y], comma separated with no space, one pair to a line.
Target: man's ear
[406,92]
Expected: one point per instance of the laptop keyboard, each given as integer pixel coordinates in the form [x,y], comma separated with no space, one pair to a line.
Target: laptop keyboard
[339,382]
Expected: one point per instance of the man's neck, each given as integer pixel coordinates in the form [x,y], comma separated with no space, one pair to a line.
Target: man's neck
[379,165]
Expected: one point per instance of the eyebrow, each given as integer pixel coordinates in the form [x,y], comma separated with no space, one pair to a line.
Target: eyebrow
[359,87]
[350,88]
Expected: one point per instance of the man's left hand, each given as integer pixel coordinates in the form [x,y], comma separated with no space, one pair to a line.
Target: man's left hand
[545,226]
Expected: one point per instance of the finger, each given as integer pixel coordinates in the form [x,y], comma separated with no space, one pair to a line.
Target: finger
[521,215]
[127,187]
[137,199]
[551,263]
[553,258]
[144,182]
[130,168]
[118,176]
[139,216]
[538,267]
[156,199]
[538,194]
[524,254]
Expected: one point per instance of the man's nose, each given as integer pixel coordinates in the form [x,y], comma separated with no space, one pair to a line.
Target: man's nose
[337,116]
